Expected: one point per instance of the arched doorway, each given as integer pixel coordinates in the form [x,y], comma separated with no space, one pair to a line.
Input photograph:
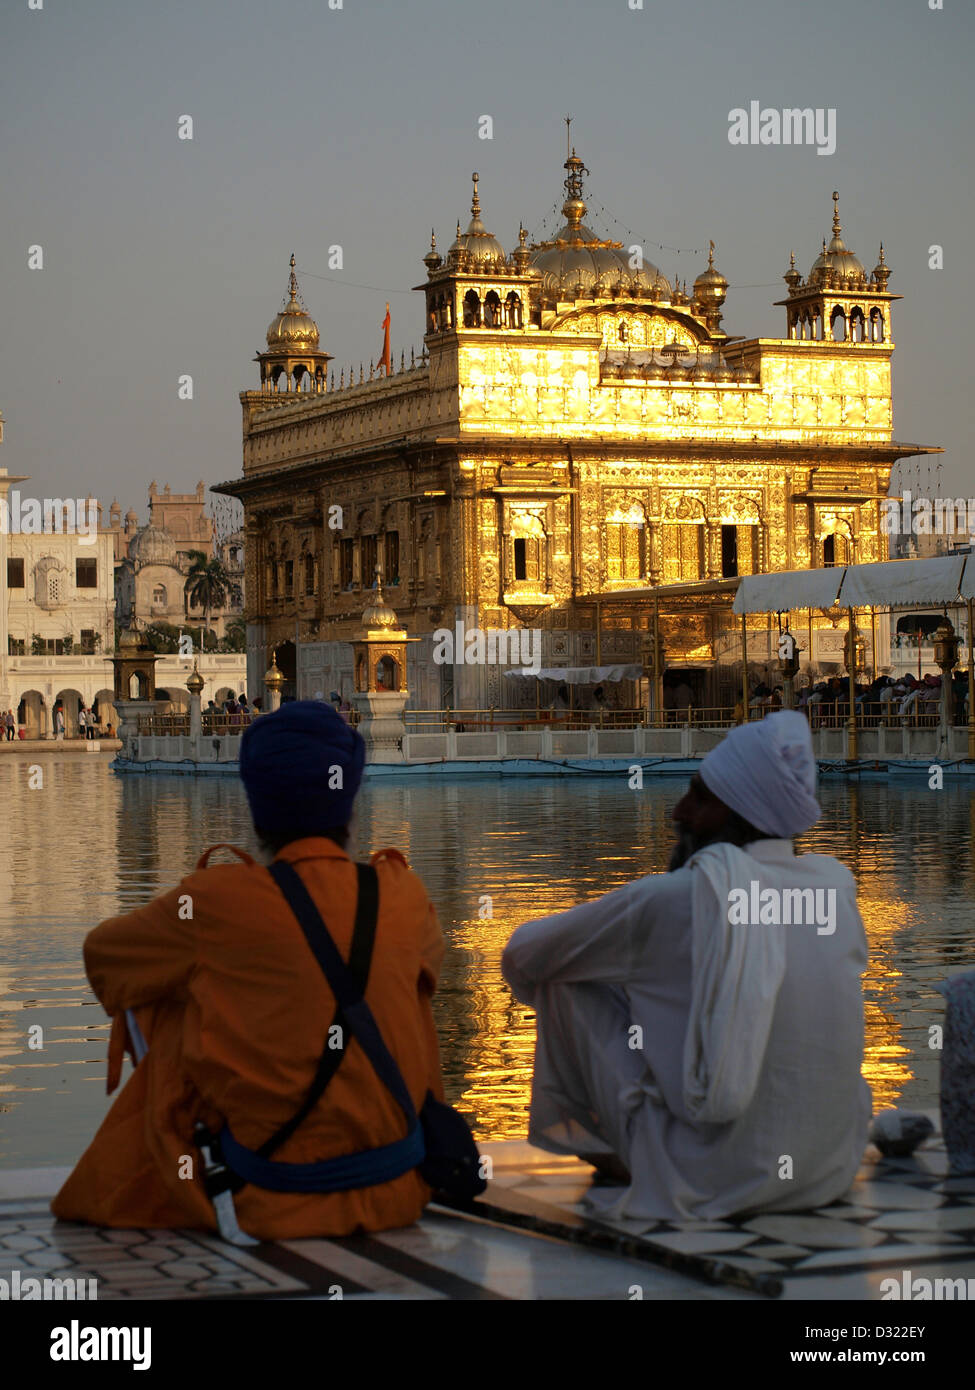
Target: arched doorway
[33,715]
[70,701]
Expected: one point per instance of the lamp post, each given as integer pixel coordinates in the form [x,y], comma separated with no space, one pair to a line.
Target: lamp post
[854,653]
[194,684]
[273,681]
[788,667]
[946,659]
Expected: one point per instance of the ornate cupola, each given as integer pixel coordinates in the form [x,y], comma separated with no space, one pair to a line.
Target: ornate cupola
[292,360]
[710,292]
[839,302]
[476,287]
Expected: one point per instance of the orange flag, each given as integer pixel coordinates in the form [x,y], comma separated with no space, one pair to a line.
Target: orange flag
[384,360]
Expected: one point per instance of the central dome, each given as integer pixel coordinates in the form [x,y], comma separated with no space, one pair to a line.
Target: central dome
[577,264]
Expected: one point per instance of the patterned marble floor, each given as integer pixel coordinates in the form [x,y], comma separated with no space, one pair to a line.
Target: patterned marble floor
[531,1242]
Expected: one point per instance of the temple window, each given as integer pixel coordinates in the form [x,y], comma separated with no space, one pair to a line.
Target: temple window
[513,310]
[347,569]
[837,324]
[309,573]
[876,326]
[86,574]
[492,310]
[391,557]
[683,552]
[472,309]
[625,550]
[159,596]
[857,326]
[369,552]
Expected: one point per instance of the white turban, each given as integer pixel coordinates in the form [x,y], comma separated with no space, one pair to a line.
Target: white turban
[766,771]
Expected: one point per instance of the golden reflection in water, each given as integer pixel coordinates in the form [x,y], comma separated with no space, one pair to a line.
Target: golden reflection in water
[91,845]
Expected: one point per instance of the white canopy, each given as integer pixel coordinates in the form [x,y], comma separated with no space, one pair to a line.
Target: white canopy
[902,582]
[581,675]
[789,589]
[890,584]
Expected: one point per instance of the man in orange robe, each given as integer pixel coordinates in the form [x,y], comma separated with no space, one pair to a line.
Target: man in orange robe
[236,1011]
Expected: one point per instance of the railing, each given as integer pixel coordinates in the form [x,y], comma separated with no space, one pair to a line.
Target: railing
[172,725]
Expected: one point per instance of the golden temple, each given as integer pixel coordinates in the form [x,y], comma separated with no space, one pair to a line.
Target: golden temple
[577,433]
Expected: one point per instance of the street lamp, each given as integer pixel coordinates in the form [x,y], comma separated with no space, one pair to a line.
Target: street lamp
[946,658]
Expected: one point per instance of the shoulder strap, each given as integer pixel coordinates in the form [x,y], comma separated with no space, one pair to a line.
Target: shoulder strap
[360,957]
[357,1014]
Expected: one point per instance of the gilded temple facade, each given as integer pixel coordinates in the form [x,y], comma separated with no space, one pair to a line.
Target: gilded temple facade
[579,436]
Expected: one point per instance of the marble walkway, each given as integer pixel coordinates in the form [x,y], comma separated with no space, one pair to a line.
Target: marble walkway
[528,1239]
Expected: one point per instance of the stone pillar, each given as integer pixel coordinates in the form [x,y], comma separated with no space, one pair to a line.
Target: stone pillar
[381,723]
[129,713]
[196,717]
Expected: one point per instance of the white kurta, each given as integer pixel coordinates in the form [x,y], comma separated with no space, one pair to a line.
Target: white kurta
[623,962]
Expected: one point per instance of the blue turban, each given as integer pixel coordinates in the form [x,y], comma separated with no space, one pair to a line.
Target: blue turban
[289,758]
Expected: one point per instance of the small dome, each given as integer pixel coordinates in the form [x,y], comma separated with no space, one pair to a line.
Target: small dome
[378,614]
[130,639]
[476,248]
[710,287]
[293,328]
[153,546]
[837,259]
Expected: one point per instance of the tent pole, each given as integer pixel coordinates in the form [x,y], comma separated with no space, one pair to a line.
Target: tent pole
[851,723]
[744,671]
[971,685]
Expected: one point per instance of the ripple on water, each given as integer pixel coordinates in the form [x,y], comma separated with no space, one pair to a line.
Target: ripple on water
[89,845]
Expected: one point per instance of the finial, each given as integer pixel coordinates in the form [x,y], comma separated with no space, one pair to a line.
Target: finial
[341,379]
[522,234]
[370,369]
[475,201]
[361,374]
[711,255]
[402,361]
[412,357]
[836,214]
[379,581]
[792,260]
[882,259]
[458,229]
[293,282]
[433,240]
[332,382]
[568,122]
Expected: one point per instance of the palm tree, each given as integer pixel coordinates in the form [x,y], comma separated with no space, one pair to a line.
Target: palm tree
[207,583]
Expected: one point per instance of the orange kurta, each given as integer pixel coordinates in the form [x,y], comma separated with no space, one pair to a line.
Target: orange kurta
[236,1010]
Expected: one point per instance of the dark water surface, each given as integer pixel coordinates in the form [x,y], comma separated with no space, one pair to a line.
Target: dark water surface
[90,844]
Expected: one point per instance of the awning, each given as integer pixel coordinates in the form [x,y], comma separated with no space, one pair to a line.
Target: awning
[889,584]
[900,583]
[787,590]
[581,675]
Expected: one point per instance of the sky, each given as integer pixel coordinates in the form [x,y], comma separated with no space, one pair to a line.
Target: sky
[360,127]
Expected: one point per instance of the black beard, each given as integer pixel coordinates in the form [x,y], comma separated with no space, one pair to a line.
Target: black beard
[687,844]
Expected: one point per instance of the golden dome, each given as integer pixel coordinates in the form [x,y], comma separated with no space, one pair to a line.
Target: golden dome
[710,287]
[477,248]
[131,640]
[836,260]
[293,328]
[194,681]
[577,264]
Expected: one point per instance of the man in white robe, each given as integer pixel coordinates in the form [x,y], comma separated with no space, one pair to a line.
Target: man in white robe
[709,1059]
